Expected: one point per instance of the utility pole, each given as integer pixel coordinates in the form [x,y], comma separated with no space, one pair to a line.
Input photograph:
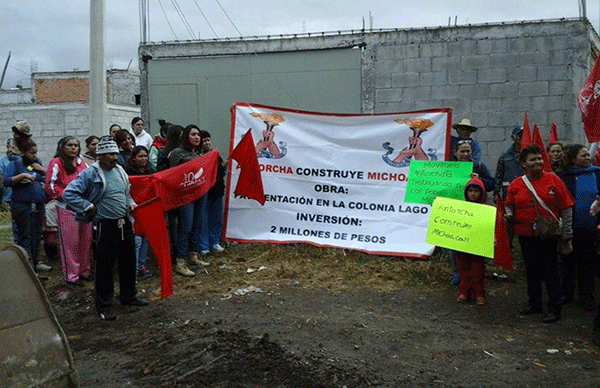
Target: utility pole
[4,71]
[98,122]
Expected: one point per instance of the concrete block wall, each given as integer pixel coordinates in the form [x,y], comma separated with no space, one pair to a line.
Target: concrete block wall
[50,122]
[490,74]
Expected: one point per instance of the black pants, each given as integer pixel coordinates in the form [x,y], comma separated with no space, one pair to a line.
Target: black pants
[541,264]
[113,241]
[579,265]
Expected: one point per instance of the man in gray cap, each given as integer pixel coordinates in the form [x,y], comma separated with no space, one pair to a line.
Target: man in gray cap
[100,194]
[508,167]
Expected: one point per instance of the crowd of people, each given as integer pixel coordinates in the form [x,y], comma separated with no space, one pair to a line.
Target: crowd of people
[80,204]
[552,220]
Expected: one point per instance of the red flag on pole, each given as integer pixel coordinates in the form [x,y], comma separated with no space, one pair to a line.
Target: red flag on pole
[553,136]
[537,139]
[150,222]
[502,254]
[249,183]
[526,137]
[588,101]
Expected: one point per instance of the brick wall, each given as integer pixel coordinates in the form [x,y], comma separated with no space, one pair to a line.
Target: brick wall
[50,91]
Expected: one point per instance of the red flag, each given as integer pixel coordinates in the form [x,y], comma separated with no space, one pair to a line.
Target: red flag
[589,104]
[178,185]
[150,222]
[502,254]
[553,137]
[249,183]
[526,137]
[537,139]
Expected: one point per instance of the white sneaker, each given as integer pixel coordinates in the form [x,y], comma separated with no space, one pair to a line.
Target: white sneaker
[217,248]
[42,267]
[204,253]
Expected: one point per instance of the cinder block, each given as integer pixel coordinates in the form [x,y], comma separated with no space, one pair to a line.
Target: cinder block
[476,91]
[445,63]
[388,95]
[419,93]
[463,47]
[515,104]
[509,89]
[383,81]
[417,65]
[434,49]
[493,75]
[462,77]
[431,104]
[552,73]
[534,59]
[547,103]
[446,92]
[537,88]
[386,53]
[521,73]
[388,67]
[405,80]
[436,78]
[475,61]
[407,51]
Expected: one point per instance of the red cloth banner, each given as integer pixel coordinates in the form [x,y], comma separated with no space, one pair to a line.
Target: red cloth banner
[249,183]
[502,254]
[177,185]
[537,139]
[588,101]
[150,222]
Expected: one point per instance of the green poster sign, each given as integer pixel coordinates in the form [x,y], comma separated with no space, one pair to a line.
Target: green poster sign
[462,226]
[428,180]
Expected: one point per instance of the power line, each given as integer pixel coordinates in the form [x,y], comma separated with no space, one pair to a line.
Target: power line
[183,19]
[205,18]
[168,22]
[290,95]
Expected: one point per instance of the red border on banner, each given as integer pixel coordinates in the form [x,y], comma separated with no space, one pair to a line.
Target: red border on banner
[260,106]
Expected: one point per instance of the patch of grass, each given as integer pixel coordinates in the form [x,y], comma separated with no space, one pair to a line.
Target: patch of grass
[307,266]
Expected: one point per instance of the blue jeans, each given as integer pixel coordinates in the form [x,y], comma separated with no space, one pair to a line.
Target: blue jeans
[28,216]
[141,251]
[189,227]
[213,223]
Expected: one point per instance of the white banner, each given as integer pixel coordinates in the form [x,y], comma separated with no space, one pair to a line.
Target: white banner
[335,180]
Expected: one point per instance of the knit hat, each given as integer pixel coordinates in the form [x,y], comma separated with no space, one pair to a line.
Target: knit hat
[107,145]
[22,128]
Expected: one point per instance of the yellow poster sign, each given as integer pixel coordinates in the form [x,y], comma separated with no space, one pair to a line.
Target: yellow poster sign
[462,226]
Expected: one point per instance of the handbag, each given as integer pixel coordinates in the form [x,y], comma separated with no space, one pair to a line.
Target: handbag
[543,227]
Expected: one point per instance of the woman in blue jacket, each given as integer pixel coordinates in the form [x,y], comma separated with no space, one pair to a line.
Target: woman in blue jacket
[583,181]
[26,177]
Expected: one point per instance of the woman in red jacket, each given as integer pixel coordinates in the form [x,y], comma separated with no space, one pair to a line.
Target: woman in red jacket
[74,238]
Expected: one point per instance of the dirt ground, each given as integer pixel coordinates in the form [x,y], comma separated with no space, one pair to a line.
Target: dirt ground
[296,335]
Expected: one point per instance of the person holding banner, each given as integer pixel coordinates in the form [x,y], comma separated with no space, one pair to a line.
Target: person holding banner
[583,181]
[190,216]
[471,268]
[540,194]
[211,234]
[462,153]
[138,165]
[100,193]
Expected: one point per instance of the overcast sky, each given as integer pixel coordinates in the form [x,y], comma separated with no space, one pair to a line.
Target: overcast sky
[53,35]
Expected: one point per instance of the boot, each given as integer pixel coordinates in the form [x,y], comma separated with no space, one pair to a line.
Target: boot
[194,260]
[182,269]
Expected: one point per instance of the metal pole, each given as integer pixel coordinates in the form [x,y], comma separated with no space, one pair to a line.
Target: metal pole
[98,122]
[4,71]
